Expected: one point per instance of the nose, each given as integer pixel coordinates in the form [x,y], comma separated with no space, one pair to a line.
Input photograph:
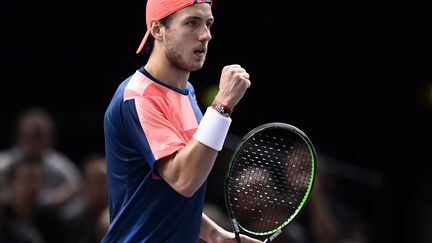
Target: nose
[206,34]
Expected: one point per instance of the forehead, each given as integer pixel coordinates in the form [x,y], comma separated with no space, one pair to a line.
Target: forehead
[202,10]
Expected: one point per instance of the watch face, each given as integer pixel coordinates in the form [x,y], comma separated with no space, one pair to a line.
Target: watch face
[221,110]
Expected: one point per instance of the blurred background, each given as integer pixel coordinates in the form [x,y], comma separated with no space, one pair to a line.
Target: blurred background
[356,78]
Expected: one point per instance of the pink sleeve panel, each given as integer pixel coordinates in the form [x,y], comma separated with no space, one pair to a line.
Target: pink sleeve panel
[166,117]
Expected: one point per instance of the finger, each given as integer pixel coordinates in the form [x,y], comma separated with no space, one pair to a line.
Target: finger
[235,68]
[242,75]
[232,66]
[245,75]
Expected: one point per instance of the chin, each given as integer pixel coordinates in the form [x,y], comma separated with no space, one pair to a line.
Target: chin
[197,66]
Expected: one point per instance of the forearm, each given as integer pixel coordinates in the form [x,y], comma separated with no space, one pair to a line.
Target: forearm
[188,169]
[213,233]
[209,229]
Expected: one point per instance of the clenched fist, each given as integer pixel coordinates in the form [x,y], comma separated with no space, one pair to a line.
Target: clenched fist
[233,84]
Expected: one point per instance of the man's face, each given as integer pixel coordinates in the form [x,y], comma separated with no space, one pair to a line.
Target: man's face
[187,37]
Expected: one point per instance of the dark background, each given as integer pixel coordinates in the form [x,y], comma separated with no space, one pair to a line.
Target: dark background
[356,78]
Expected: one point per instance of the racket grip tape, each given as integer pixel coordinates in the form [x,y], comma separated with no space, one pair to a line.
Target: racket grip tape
[236,230]
[273,236]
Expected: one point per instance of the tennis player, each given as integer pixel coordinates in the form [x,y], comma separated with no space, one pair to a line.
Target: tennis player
[160,148]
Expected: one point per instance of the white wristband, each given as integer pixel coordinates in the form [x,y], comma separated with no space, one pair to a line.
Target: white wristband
[213,129]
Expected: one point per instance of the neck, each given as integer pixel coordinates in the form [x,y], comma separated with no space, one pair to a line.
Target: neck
[162,70]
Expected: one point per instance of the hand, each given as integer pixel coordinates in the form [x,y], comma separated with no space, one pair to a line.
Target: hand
[247,239]
[229,237]
[233,84]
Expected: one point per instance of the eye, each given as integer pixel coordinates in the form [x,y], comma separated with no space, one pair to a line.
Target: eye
[192,23]
[209,24]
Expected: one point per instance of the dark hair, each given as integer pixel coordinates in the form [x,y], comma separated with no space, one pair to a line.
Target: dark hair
[30,113]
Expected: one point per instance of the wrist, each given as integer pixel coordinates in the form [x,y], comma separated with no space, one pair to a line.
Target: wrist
[221,108]
[212,129]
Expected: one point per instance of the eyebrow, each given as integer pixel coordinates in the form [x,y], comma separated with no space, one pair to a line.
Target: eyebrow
[198,18]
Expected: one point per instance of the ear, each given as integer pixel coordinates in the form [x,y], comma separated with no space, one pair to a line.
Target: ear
[156,29]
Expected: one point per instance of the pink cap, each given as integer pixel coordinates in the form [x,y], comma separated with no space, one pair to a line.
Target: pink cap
[159,9]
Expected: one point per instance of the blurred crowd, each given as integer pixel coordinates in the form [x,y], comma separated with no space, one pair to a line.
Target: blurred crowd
[44,195]
[341,207]
[47,197]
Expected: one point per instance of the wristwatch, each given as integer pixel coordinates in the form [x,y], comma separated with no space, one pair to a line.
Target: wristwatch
[221,109]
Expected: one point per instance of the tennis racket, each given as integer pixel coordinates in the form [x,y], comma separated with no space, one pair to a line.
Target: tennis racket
[269,179]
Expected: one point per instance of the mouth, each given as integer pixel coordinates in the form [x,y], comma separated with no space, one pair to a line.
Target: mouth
[200,51]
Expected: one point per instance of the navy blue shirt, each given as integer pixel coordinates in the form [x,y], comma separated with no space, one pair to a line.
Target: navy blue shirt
[145,121]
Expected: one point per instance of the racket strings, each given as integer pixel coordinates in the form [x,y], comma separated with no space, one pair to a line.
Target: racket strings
[268,180]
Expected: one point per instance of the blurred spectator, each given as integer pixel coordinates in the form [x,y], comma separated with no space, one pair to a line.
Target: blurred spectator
[327,218]
[103,224]
[24,220]
[35,135]
[86,225]
[218,215]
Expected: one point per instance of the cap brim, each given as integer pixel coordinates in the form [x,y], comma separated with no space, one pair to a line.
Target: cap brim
[143,42]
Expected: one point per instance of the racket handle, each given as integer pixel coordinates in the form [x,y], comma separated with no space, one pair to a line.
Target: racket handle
[273,236]
[236,230]
[237,235]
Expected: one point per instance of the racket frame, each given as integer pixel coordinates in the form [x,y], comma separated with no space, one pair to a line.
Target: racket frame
[278,230]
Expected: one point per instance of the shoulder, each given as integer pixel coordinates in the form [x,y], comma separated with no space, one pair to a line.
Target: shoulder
[8,157]
[58,161]
[139,85]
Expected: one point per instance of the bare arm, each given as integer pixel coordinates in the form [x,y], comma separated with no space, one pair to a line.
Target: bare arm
[186,170]
[213,233]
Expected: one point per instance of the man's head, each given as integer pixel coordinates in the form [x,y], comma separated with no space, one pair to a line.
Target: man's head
[95,182]
[35,131]
[160,9]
